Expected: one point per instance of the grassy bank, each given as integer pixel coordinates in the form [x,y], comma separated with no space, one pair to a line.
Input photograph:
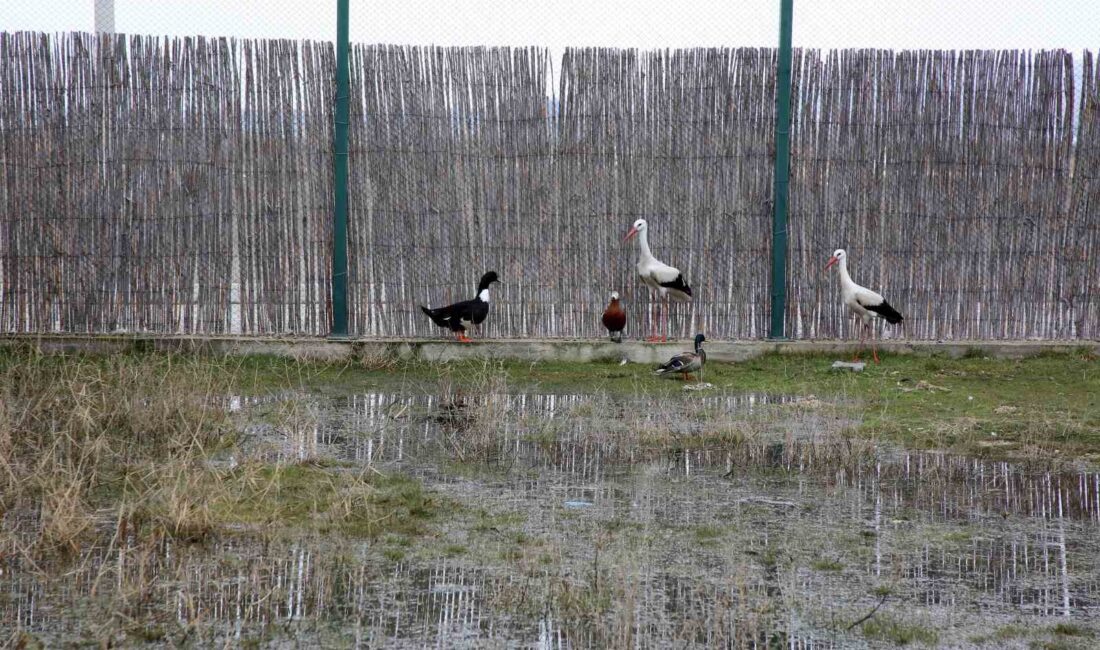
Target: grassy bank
[1043,406]
[138,445]
[1037,405]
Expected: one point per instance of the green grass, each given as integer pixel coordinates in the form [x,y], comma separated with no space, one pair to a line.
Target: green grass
[1070,629]
[825,564]
[1061,636]
[705,534]
[330,500]
[1007,632]
[192,502]
[1060,643]
[454,550]
[887,628]
[1043,406]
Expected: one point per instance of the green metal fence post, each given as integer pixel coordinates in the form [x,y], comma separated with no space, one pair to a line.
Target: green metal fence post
[339,327]
[782,173]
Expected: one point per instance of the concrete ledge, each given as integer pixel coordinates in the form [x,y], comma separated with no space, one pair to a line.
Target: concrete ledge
[518,349]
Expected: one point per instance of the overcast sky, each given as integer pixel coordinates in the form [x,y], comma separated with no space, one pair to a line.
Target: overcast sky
[897,24]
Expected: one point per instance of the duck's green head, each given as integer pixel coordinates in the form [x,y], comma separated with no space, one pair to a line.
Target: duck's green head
[699,338]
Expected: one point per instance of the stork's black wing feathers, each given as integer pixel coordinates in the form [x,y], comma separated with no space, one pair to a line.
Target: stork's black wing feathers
[887,312]
[678,284]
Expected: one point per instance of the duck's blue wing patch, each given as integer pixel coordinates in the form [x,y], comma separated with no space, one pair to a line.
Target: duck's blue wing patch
[677,362]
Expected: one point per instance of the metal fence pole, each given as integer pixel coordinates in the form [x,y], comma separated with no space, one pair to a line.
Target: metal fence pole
[340,178]
[782,173]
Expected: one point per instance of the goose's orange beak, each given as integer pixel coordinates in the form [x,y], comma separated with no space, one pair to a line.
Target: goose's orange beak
[633,231]
[832,260]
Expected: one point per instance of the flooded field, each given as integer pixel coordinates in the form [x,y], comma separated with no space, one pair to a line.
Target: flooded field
[712,518]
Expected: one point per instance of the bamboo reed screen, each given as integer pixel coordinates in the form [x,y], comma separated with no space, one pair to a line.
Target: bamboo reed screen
[184,185]
[178,185]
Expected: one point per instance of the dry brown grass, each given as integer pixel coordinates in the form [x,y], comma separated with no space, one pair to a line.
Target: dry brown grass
[77,434]
[473,409]
[92,447]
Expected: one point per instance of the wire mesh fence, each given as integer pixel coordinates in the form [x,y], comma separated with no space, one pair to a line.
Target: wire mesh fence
[184,184]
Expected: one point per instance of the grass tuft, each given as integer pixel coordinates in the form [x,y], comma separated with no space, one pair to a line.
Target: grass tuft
[887,628]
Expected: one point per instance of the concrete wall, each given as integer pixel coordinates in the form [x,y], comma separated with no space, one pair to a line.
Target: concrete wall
[525,350]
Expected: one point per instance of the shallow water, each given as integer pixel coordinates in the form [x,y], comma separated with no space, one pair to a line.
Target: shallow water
[593,520]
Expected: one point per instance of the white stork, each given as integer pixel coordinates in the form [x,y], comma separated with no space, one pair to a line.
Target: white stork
[861,301]
[657,275]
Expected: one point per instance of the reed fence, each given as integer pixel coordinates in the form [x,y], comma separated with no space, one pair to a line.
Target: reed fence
[185,185]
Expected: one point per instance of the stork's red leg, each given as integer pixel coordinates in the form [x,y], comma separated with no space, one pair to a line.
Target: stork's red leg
[655,323]
[667,309]
[859,348]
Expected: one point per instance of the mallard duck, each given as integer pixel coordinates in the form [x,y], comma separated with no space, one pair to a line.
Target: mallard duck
[862,302]
[614,318]
[667,280]
[686,363]
[468,311]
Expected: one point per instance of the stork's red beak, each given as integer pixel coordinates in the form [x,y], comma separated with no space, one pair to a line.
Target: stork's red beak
[832,260]
[633,231]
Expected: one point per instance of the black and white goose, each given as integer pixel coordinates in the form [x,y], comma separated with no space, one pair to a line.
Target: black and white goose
[666,280]
[686,363]
[861,301]
[468,311]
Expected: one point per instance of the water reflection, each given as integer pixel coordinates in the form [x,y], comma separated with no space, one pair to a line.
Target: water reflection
[594,439]
[732,497]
